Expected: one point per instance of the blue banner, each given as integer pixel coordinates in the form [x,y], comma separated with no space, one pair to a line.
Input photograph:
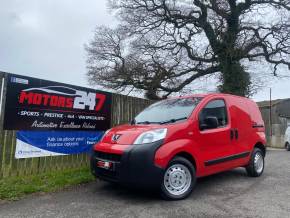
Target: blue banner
[53,143]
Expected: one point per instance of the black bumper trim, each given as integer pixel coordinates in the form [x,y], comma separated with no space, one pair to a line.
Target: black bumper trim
[136,167]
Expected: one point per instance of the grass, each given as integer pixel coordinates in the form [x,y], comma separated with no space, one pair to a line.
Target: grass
[14,188]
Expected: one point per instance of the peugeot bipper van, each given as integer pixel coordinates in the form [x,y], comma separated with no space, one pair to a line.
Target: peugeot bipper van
[175,141]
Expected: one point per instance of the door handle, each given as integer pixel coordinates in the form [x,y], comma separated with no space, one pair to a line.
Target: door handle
[232,134]
[236,133]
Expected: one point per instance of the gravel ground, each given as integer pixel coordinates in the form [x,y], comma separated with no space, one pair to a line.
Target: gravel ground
[229,194]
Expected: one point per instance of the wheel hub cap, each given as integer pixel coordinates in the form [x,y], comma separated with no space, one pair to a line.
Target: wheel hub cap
[259,162]
[177,179]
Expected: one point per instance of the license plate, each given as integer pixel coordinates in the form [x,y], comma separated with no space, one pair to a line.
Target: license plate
[105,164]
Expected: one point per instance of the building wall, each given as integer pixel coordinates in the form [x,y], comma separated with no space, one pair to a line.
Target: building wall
[279,125]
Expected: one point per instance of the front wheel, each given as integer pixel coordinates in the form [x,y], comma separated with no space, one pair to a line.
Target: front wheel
[287,146]
[257,163]
[178,180]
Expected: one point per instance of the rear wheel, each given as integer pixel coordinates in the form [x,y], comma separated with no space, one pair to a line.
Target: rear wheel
[257,163]
[178,180]
[287,146]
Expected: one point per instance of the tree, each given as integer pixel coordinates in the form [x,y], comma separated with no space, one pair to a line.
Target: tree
[161,46]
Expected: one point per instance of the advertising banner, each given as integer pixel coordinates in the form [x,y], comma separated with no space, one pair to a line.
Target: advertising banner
[35,104]
[53,143]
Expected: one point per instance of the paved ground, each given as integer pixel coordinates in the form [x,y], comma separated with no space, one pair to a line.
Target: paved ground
[230,194]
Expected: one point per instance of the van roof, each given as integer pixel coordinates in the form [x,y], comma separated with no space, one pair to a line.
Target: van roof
[209,95]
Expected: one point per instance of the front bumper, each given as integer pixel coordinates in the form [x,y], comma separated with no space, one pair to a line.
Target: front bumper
[135,167]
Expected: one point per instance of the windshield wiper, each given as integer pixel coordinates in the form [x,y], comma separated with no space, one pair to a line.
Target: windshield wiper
[148,122]
[173,120]
[164,122]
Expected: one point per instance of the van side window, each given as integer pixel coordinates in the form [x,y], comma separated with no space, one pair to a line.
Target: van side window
[214,109]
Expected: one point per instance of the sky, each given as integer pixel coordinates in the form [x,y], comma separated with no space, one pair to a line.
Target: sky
[45,39]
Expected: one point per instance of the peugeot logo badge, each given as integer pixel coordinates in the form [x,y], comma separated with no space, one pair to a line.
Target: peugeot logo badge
[116,137]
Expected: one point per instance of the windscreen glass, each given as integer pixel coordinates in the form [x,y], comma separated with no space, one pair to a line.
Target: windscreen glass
[167,111]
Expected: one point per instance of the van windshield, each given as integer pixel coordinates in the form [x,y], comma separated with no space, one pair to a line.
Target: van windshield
[168,111]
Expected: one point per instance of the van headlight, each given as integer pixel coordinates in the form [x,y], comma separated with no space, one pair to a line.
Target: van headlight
[151,136]
[104,135]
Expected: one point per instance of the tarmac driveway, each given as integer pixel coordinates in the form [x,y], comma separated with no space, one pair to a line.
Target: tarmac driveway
[230,194]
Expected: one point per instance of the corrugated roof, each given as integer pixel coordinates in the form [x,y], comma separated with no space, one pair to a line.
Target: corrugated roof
[274,102]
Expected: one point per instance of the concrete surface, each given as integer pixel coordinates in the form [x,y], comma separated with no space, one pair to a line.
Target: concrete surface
[229,194]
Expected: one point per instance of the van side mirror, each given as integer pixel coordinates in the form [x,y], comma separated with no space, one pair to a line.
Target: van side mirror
[133,122]
[209,123]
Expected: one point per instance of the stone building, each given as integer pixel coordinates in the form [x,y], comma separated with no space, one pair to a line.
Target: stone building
[280,119]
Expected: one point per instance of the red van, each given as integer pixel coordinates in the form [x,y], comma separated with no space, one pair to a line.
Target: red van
[175,141]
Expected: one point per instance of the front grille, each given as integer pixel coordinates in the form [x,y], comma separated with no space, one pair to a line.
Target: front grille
[108,156]
[105,174]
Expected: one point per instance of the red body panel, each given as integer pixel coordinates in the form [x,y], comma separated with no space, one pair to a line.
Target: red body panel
[244,120]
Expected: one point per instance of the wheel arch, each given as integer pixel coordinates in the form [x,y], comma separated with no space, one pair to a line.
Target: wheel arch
[187,156]
[261,146]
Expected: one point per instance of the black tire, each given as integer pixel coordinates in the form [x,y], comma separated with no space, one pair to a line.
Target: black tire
[179,161]
[251,169]
[287,146]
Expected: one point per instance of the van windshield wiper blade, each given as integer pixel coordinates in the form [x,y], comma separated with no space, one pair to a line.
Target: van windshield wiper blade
[148,122]
[173,120]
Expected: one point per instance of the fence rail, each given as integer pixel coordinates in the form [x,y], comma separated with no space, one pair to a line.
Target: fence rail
[124,108]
